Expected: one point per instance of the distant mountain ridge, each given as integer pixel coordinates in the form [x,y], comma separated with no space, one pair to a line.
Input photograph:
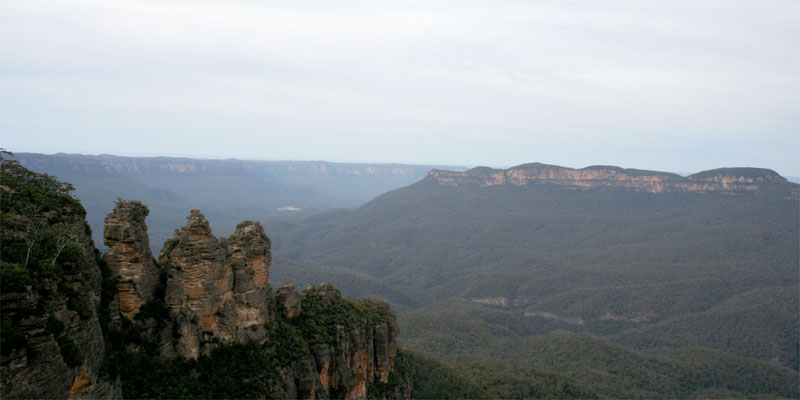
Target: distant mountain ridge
[575,270]
[227,190]
[727,180]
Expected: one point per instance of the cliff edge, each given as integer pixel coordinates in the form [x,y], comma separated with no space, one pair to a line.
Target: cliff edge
[722,180]
[213,293]
[201,321]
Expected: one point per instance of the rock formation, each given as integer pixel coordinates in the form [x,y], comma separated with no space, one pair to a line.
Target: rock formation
[289,299]
[726,180]
[217,292]
[66,311]
[216,289]
[52,342]
[358,355]
[129,258]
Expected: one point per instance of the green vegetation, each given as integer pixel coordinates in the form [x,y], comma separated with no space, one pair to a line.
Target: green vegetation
[517,292]
[234,371]
[352,284]
[761,323]
[12,337]
[604,367]
[69,351]
[321,315]
[508,381]
[39,224]
[428,379]
[245,370]
[228,191]
[108,291]
[643,270]
[474,379]
[40,256]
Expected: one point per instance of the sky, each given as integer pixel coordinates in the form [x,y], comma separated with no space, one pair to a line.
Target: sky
[673,85]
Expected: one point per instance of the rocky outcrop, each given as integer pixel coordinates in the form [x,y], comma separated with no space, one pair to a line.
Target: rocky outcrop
[129,256]
[360,352]
[216,290]
[726,180]
[289,300]
[42,369]
[52,342]
[66,311]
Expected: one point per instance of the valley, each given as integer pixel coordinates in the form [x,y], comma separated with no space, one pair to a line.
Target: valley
[602,281]
[577,278]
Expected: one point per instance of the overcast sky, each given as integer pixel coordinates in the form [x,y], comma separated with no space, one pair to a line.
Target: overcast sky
[669,85]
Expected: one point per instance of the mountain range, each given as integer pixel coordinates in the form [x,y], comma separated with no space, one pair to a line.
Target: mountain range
[228,191]
[622,282]
[575,269]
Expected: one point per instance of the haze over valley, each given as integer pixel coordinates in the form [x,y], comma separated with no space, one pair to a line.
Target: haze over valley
[400,200]
[625,282]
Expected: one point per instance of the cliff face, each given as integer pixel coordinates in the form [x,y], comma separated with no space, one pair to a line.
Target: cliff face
[129,258]
[726,180]
[358,354]
[75,325]
[52,343]
[64,345]
[216,289]
[216,292]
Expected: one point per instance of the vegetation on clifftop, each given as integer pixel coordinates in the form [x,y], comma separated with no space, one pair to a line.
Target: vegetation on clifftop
[41,227]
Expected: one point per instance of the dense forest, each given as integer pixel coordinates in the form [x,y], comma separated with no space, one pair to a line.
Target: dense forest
[630,293]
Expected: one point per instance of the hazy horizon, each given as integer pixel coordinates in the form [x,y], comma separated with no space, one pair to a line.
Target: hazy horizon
[665,85]
[792,178]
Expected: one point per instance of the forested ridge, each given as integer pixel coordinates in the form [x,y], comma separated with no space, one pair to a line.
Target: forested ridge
[630,293]
[501,291]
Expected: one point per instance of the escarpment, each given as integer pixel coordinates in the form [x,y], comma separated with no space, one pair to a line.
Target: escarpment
[211,293]
[358,348]
[199,322]
[52,342]
[722,180]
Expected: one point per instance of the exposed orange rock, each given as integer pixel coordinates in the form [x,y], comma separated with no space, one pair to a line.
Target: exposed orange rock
[129,256]
[81,381]
[721,180]
[219,289]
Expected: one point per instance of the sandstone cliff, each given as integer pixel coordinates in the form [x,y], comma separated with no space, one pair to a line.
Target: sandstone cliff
[202,321]
[129,258]
[216,292]
[216,289]
[723,180]
[52,343]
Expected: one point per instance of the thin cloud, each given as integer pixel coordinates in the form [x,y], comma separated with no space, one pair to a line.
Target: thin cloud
[453,82]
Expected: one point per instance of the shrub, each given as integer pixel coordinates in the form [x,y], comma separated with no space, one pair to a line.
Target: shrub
[69,351]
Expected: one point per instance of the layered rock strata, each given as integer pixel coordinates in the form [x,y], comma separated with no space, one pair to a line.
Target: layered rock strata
[216,289]
[53,343]
[129,257]
[66,312]
[727,180]
[360,353]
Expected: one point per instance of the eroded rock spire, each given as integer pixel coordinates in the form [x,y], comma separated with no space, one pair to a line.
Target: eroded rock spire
[129,256]
[216,289]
